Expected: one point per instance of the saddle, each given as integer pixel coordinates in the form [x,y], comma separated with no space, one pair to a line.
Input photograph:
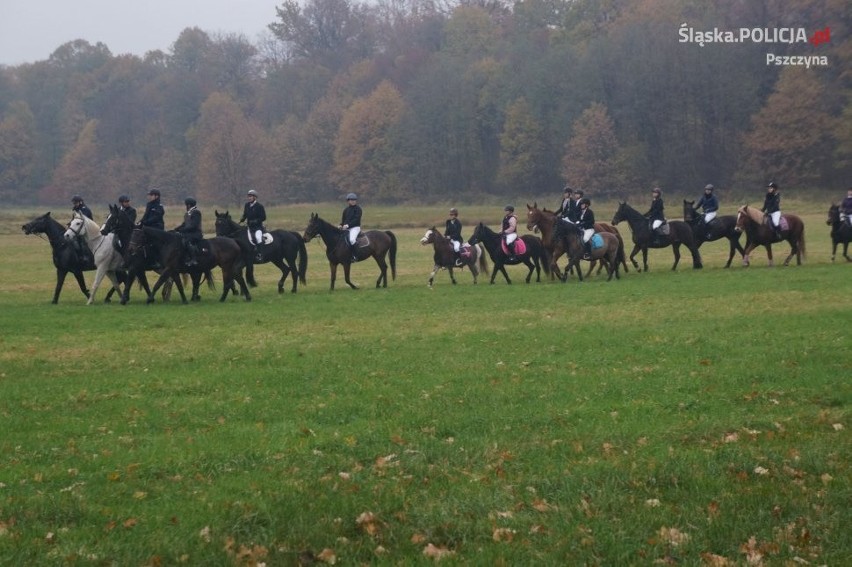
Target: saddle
[663,230]
[782,225]
[465,250]
[596,241]
[520,247]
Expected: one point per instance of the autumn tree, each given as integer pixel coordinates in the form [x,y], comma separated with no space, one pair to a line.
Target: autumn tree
[592,155]
[791,139]
[232,153]
[364,157]
[522,150]
[80,169]
[17,148]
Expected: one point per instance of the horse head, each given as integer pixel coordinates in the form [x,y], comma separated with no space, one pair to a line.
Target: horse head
[688,211]
[533,216]
[37,225]
[620,213]
[429,237]
[224,224]
[312,229]
[477,235]
[78,227]
[833,214]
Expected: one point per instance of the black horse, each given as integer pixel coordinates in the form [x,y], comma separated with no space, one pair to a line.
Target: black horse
[841,232]
[724,226]
[535,257]
[286,251]
[679,233]
[119,223]
[374,244]
[65,257]
[218,251]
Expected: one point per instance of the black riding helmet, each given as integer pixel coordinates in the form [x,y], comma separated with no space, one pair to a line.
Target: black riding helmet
[586,201]
[509,209]
[189,202]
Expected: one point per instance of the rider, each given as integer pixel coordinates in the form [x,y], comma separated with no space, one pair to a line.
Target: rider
[124,204]
[154,212]
[568,204]
[453,232]
[190,229]
[586,223]
[710,204]
[846,208]
[655,214]
[772,208]
[78,206]
[351,221]
[254,214]
[510,230]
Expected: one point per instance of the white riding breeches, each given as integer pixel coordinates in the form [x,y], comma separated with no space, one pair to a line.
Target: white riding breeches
[456,245]
[588,234]
[776,219]
[353,234]
[709,216]
[255,237]
[511,237]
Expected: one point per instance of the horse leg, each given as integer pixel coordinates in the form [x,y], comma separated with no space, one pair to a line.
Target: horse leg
[60,280]
[346,269]
[435,269]
[645,258]
[529,264]
[636,249]
[676,251]
[575,261]
[769,255]
[383,272]
[114,280]
[452,276]
[99,275]
[244,288]
[732,249]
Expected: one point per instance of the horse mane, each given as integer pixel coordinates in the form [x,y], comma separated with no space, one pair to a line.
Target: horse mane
[754,214]
[90,224]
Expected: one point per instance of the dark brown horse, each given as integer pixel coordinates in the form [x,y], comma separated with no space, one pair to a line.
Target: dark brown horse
[535,258]
[723,226]
[219,251]
[759,233]
[608,253]
[679,233]
[445,256]
[545,221]
[286,251]
[841,232]
[374,244]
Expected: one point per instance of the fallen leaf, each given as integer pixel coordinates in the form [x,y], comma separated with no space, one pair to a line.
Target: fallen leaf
[437,553]
[503,534]
[327,556]
[673,536]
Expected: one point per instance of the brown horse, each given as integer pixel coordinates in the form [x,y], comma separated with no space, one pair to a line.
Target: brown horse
[218,251]
[759,233]
[545,221]
[608,254]
[372,243]
[445,256]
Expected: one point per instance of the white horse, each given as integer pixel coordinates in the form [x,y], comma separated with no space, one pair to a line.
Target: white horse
[107,258]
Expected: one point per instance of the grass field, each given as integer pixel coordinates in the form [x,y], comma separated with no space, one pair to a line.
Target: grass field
[689,417]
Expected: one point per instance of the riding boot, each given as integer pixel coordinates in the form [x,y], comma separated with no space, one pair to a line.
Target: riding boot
[258,255]
[511,248]
[192,253]
[587,250]
[459,262]
[353,251]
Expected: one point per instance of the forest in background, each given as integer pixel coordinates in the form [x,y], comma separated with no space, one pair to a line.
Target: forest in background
[405,101]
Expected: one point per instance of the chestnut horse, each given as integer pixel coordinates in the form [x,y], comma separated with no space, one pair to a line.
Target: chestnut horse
[759,233]
[545,221]
[445,256]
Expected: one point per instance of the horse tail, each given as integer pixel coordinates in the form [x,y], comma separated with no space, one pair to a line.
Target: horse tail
[303,259]
[546,259]
[801,245]
[483,262]
[392,252]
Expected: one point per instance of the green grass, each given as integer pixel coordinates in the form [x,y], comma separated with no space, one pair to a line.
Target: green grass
[669,416]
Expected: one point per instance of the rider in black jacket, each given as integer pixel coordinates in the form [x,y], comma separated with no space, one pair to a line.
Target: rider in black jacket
[190,228]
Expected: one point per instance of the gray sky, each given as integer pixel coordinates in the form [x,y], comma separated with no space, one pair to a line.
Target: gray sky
[30,30]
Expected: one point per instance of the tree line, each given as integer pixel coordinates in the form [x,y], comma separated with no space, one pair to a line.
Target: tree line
[418,100]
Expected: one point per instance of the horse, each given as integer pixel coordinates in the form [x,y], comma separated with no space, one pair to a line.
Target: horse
[608,254]
[841,232]
[286,251]
[65,257]
[445,256]
[218,251]
[724,226]
[751,221]
[534,257]
[108,260]
[545,221]
[119,223]
[679,233]
[372,243]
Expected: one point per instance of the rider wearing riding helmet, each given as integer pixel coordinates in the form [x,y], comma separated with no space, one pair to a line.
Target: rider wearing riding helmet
[130,211]
[78,206]
[254,215]
[154,211]
[846,208]
[586,223]
[510,229]
[452,231]
[190,229]
[772,208]
[709,204]
[351,221]
[656,214]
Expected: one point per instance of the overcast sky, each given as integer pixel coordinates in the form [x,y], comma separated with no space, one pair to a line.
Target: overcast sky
[30,30]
